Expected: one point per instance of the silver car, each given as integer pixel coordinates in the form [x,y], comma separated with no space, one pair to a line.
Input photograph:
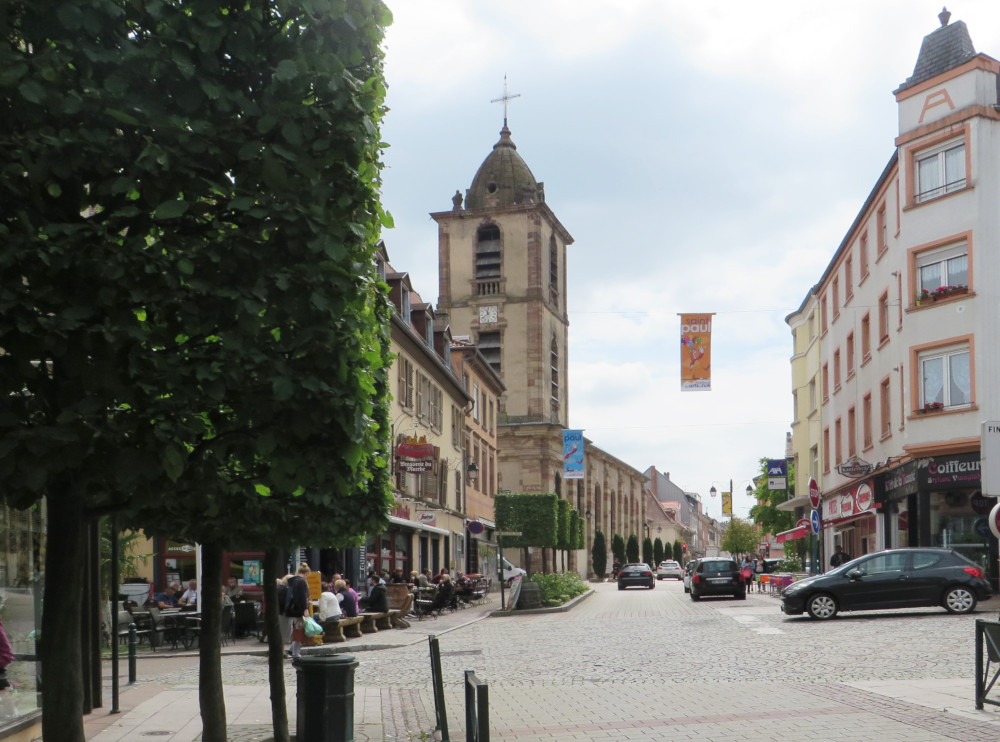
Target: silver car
[669,568]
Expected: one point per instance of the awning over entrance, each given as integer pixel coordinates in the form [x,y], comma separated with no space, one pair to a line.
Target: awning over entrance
[793,534]
[417,526]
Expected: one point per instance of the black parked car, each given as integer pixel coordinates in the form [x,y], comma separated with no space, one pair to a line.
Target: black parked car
[895,578]
[716,576]
[636,573]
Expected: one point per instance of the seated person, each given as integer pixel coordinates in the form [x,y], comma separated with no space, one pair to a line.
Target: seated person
[440,575]
[378,597]
[233,589]
[463,586]
[329,605]
[166,599]
[445,593]
[423,579]
[398,578]
[190,596]
[349,598]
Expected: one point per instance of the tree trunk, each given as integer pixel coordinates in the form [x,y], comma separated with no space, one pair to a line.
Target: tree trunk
[210,696]
[60,647]
[273,570]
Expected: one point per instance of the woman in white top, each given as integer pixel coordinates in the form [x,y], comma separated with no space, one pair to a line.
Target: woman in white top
[329,605]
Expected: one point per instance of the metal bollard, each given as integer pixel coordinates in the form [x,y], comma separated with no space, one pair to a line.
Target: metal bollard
[324,702]
[131,653]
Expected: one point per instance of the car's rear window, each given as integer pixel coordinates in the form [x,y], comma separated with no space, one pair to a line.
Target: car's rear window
[718,566]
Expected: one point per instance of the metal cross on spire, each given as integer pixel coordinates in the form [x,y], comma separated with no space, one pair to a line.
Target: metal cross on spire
[505,98]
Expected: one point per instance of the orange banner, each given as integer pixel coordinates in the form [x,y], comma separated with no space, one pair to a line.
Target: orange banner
[696,352]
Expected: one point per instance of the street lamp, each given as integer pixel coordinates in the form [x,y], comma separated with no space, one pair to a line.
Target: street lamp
[713,492]
[749,491]
[472,472]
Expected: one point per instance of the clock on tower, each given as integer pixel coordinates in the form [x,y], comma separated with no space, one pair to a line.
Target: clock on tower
[487,315]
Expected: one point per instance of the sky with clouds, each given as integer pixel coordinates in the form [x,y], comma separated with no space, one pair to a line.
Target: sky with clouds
[706,156]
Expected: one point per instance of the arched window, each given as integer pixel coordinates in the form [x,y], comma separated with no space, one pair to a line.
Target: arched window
[489,260]
[553,269]
[554,372]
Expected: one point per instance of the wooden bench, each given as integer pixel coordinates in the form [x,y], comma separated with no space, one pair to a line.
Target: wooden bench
[372,622]
[333,629]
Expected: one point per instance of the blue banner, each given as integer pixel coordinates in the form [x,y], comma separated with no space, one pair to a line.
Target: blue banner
[572,454]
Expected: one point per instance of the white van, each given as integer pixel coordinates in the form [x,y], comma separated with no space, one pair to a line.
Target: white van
[510,571]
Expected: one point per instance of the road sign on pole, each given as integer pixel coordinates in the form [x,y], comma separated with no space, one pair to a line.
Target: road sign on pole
[815,521]
[814,494]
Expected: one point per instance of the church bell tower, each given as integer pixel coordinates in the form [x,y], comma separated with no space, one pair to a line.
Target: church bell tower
[502,278]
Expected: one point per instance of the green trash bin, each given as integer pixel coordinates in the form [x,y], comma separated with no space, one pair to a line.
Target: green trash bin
[324,702]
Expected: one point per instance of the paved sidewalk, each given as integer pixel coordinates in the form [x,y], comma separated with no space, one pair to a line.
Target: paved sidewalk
[591,693]
[164,701]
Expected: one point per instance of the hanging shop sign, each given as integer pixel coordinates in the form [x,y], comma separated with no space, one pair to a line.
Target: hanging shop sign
[855,467]
[777,474]
[416,455]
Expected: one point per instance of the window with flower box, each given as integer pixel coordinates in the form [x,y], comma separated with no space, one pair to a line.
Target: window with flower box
[945,378]
[942,272]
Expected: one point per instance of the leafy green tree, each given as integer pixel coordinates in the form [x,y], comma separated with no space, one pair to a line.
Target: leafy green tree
[632,548]
[765,513]
[658,555]
[618,548]
[534,516]
[678,552]
[599,555]
[191,214]
[647,551]
[740,537]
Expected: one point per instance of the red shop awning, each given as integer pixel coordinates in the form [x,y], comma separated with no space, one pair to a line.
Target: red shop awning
[793,534]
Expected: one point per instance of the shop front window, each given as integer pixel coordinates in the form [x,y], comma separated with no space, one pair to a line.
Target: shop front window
[953,526]
[22,544]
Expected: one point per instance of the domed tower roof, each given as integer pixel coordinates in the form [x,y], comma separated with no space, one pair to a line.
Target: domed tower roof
[503,179]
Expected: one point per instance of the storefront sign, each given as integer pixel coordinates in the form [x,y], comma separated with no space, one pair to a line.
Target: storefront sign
[856,500]
[855,467]
[251,571]
[416,455]
[941,472]
[989,444]
[427,518]
[777,474]
[902,481]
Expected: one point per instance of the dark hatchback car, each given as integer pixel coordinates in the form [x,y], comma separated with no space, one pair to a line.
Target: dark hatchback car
[895,578]
[716,576]
[636,573]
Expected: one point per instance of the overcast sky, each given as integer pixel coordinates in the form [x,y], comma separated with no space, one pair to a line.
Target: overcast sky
[705,156]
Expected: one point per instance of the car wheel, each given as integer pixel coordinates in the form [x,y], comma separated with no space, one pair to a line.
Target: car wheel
[652,585]
[740,596]
[959,600]
[620,586]
[695,596]
[822,607]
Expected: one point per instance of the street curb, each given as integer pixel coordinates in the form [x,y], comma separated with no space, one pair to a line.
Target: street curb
[553,609]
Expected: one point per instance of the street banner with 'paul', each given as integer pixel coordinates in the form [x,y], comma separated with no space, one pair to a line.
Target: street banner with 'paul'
[572,454]
[696,352]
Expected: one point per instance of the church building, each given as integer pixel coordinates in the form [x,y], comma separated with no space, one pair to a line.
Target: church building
[502,256]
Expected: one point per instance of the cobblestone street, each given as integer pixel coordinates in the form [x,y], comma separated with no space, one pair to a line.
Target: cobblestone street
[645,665]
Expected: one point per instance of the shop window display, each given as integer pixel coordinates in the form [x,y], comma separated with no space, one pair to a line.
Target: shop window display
[22,546]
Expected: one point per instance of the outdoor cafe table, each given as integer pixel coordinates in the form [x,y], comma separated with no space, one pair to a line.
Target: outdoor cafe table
[181,626]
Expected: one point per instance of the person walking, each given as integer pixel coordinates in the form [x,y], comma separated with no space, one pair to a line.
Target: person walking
[839,556]
[296,607]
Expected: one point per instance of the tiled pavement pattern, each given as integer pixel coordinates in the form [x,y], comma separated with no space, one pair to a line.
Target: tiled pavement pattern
[647,665]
